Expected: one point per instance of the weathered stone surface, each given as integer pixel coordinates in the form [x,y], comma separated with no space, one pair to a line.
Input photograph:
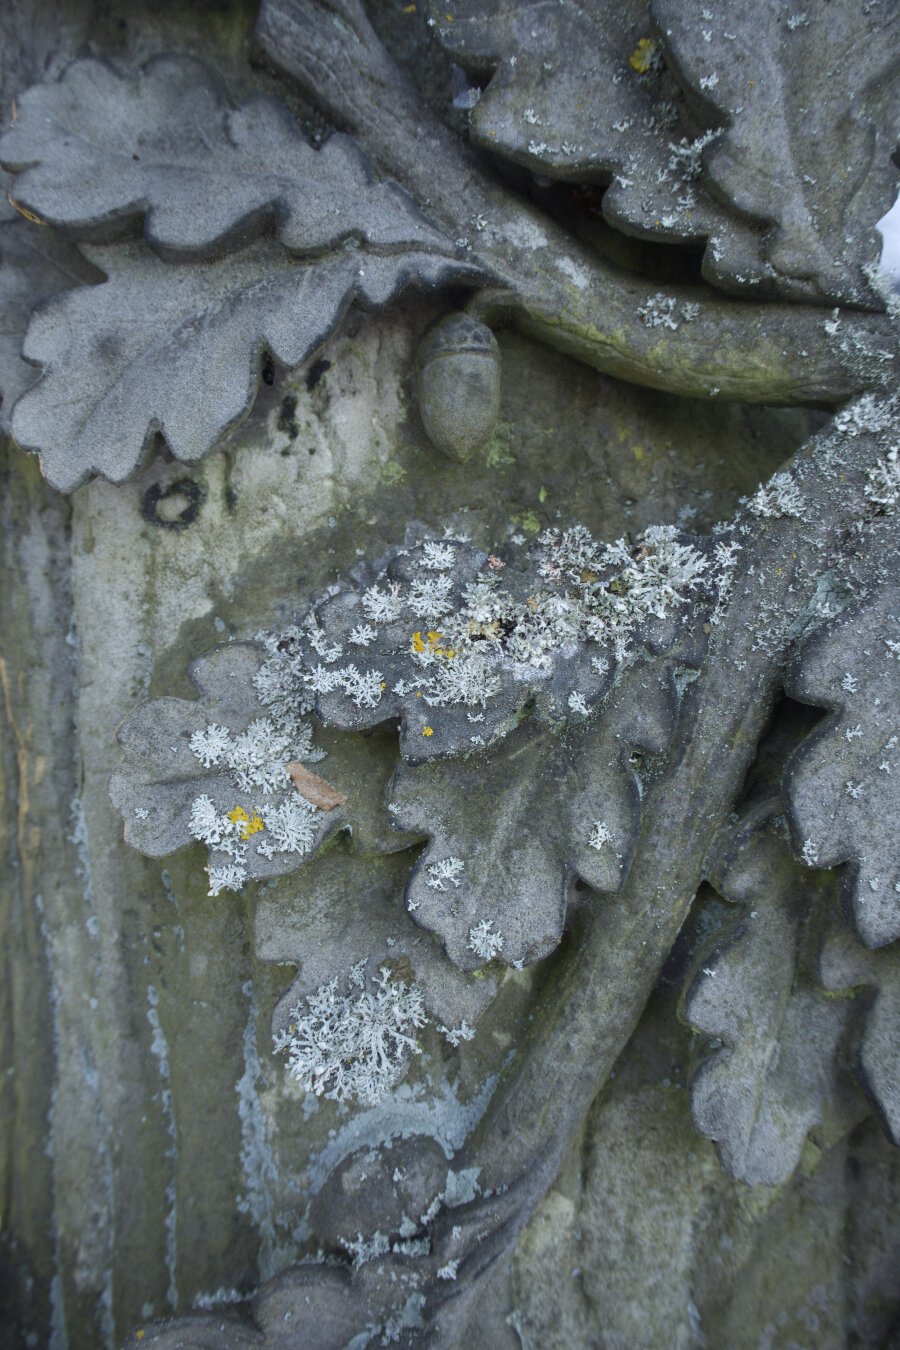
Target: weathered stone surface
[540,1183]
[167,1229]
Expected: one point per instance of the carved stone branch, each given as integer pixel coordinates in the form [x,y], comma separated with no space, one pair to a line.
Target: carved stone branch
[553,287]
[592,1005]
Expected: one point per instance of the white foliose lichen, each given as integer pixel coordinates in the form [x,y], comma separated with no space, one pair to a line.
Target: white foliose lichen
[446,870]
[383,606]
[883,482]
[289,826]
[456,1035]
[346,1046]
[484,941]
[600,835]
[685,165]
[659,312]
[256,762]
[780,496]
[456,628]
[869,415]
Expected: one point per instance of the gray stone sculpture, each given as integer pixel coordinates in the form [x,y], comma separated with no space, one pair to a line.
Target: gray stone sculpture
[481,437]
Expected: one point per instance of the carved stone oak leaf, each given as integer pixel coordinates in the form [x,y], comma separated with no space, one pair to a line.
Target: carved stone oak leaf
[159,777]
[460,642]
[499,673]
[842,964]
[528,816]
[680,117]
[580,93]
[551,284]
[778,1073]
[35,263]
[275,1319]
[387,1300]
[176,350]
[807,156]
[97,154]
[307,922]
[843,782]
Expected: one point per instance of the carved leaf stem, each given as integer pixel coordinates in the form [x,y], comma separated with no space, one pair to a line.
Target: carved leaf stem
[558,289]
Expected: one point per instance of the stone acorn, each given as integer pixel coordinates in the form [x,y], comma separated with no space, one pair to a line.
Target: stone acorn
[458,384]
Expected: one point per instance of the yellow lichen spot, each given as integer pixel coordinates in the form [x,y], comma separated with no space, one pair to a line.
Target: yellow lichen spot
[409,9]
[542,494]
[139,1335]
[383,684]
[418,693]
[641,59]
[428,731]
[432,645]
[246,823]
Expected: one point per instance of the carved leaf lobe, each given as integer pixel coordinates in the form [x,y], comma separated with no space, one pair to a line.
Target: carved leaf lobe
[97,153]
[176,350]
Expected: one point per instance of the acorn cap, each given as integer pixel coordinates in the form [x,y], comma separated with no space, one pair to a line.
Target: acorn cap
[458,384]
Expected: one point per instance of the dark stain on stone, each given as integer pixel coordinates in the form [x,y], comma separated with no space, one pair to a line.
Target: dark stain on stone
[173,506]
[287,421]
[315,372]
[268,369]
